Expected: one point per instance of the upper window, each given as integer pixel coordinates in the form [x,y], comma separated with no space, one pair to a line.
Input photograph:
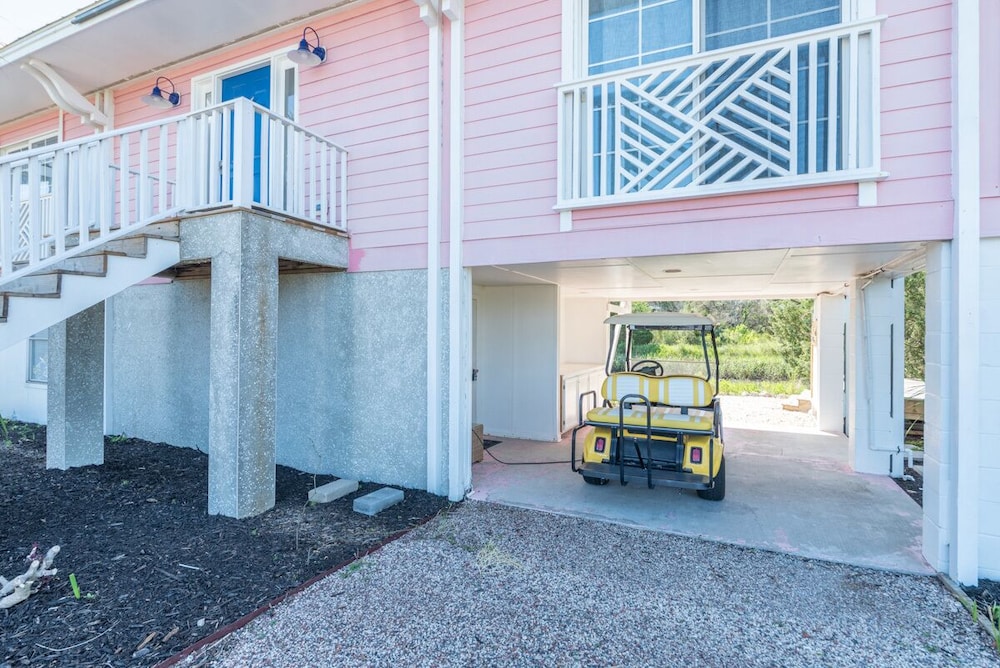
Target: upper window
[629,33]
[21,172]
[732,22]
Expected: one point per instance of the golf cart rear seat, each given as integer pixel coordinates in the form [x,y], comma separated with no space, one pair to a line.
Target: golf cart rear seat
[670,397]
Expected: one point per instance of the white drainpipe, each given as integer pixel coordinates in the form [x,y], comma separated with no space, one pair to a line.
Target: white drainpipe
[459,418]
[430,15]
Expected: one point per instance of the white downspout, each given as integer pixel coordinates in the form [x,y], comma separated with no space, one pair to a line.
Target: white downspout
[966,292]
[459,426]
[431,17]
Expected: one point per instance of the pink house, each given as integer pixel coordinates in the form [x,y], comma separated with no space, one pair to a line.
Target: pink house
[239,260]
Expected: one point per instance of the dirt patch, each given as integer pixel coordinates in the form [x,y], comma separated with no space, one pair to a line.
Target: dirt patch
[155,572]
[912,483]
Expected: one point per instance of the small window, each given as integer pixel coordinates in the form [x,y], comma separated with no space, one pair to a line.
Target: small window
[21,173]
[38,358]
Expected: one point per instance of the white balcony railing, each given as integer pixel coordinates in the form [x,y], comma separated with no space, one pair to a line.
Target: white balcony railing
[86,192]
[787,112]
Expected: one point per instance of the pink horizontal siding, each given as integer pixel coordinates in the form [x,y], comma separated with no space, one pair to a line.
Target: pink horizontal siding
[371,96]
[513,62]
[372,99]
[511,152]
[30,127]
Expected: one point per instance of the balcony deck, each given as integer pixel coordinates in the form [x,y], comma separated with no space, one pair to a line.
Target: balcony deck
[64,199]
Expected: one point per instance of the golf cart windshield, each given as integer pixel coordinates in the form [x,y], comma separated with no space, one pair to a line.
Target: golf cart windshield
[663,344]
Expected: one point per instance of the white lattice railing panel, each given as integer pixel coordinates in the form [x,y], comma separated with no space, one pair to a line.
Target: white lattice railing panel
[776,114]
[62,199]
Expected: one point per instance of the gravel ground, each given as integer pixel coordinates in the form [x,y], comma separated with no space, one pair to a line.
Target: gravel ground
[486,585]
[751,412]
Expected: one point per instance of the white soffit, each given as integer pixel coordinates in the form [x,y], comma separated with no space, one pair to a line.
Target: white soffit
[137,38]
[766,274]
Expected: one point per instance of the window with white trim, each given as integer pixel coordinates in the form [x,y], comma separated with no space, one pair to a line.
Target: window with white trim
[21,173]
[38,358]
[629,33]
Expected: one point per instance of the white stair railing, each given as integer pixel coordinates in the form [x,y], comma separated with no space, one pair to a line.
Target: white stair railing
[62,199]
[785,112]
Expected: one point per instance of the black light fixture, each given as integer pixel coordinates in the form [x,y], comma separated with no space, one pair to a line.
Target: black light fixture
[157,99]
[307,54]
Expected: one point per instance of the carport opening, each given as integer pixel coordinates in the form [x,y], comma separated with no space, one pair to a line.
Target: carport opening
[764,345]
[914,329]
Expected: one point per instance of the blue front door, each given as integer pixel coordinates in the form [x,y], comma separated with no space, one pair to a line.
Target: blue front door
[254,85]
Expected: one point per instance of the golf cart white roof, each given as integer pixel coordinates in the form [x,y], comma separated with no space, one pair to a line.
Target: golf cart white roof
[661,319]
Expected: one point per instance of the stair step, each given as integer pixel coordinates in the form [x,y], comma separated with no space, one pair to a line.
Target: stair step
[170,229]
[42,285]
[81,265]
[127,247]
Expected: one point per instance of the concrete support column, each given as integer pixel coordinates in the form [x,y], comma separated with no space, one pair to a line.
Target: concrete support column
[875,375]
[242,383]
[938,528]
[830,314]
[76,391]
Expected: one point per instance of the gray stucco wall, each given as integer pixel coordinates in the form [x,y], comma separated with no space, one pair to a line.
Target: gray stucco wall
[351,371]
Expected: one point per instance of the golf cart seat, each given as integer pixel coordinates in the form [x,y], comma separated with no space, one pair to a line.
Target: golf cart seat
[670,397]
[661,418]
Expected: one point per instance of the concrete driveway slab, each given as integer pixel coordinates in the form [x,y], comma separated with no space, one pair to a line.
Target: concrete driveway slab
[788,491]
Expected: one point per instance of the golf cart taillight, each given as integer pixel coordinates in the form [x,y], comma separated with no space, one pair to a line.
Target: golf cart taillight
[696,455]
[599,444]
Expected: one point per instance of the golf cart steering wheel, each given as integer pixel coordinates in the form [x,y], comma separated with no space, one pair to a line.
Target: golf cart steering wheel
[648,367]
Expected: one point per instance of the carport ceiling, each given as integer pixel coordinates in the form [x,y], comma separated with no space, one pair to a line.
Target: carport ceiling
[759,274]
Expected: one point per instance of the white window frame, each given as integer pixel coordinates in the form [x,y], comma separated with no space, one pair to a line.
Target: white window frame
[575,29]
[38,141]
[40,336]
[206,89]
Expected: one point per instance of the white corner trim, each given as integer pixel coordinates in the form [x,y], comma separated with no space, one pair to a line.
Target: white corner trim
[965,298]
[62,93]
[867,193]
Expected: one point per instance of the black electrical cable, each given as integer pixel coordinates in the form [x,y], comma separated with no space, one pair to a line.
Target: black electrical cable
[487,451]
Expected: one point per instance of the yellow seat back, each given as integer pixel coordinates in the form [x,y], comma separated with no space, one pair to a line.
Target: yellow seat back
[681,391]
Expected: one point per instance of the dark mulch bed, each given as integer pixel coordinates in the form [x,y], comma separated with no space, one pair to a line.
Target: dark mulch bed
[912,483]
[986,595]
[154,570]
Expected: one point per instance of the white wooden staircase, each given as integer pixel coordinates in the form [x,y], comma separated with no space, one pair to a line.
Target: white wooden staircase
[82,220]
[35,301]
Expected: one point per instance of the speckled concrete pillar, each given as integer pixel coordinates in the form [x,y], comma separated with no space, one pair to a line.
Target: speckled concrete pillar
[76,391]
[242,386]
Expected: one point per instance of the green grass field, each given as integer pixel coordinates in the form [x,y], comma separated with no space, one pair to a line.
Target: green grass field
[749,362]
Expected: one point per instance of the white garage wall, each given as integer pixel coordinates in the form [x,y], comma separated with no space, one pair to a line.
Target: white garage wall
[583,336]
[517,354]
[19,398]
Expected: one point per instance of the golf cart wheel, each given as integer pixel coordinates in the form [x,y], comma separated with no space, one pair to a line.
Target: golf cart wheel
[591,480]
[718,492]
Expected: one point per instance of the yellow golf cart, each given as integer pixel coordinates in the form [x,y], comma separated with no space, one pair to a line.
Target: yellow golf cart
[660,421]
